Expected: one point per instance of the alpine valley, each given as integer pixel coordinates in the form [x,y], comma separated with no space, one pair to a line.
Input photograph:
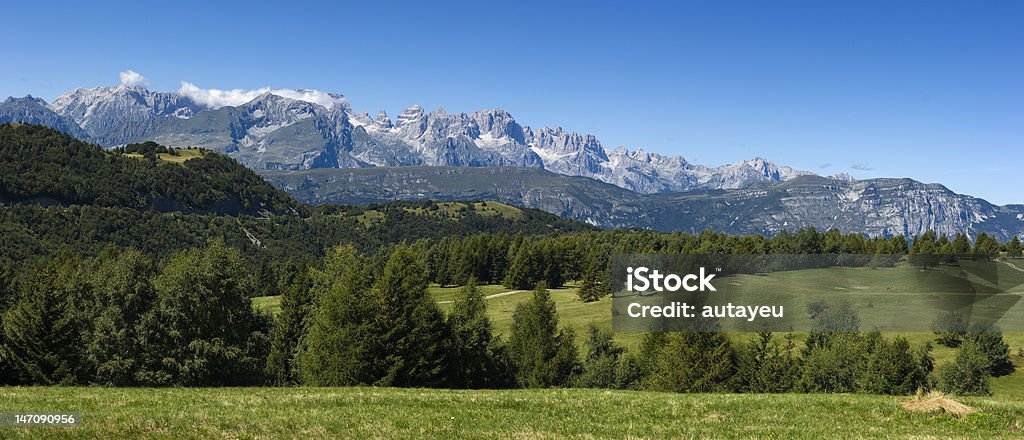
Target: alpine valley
[315,146]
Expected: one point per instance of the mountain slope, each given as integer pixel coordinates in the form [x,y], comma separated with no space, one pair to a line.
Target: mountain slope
[39,164]
[884,207]
[30,110]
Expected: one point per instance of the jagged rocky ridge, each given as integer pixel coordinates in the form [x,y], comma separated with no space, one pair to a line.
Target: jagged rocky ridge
[277,132]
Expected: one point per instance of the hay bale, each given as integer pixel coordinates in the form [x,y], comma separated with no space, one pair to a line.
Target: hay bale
[935,402]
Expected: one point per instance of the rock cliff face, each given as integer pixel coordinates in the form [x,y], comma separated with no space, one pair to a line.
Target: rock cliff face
[882,207]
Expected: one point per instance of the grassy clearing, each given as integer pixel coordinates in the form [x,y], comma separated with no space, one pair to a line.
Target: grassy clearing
[449,211]
[416,413]
[267,304]
[181,157]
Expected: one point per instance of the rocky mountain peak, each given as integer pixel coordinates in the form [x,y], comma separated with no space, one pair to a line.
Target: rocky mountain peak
[383,121]
[412,115]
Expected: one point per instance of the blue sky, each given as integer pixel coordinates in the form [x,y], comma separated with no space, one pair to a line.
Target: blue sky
[929,90]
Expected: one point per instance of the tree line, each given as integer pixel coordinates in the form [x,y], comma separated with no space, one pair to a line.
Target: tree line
[124,319]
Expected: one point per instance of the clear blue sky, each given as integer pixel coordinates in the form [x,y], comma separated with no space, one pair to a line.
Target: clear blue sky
[925,89]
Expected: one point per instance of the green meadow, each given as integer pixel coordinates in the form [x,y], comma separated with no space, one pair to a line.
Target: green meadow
[376,413]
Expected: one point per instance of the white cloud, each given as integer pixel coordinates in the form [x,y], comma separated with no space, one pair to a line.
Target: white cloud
[216,98]
[131,78]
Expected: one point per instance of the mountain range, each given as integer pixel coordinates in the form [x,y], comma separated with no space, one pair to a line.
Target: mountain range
[272,131]
[314,145]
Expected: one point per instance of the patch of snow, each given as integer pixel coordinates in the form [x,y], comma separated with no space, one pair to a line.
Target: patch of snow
[488,141]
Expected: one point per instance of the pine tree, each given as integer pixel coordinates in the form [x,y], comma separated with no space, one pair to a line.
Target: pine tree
[42,329]
[342,340]
[415,340]
[522,268]
[340,343]
[601,364]
[834,367]
[290,325]
[542,355]
[893,368]
[764,366]
[985,246]
[961,245]
[1013,248]
[473,363]
[694,362]
[593,286]
[924,251]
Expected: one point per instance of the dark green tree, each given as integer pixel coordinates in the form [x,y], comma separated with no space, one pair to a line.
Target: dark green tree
[969,374]
[601,364]
[43,328]
[122,294]
[290,325]
[543,355]
[989,341]
[986,246]
[474,362]
[694,362]
[765,366]
[925,250]
[595,284]
[202,330]
[1013,248]
[834,367]
[893,368]
[342,337]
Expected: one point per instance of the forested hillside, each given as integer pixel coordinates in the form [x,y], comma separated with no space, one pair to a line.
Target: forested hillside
[57,193]
[42,165]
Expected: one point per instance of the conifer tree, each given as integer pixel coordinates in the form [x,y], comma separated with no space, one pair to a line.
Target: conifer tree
[42,329]
[543,355]
[473,362]
[290,325]
[989,341]
[764,366]
[414,339]
[601,365]
[893,368]
[694,362]
[341,340]
[594,286]
[1013,248]
[522,269]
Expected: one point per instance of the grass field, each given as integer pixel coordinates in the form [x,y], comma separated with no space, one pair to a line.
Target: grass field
[449,211]
[181,157]
[369,413]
